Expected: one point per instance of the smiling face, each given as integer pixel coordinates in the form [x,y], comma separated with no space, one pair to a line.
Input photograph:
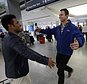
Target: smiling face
[62,16]
[16,26]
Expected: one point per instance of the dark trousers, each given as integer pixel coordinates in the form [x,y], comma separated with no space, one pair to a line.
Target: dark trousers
[62,61]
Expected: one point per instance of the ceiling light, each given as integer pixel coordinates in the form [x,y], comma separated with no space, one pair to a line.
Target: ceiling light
[78,10]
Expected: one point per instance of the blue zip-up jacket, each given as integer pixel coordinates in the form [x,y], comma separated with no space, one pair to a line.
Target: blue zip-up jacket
[65,38]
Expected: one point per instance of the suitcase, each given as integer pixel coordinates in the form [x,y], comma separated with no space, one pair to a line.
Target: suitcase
[42,40]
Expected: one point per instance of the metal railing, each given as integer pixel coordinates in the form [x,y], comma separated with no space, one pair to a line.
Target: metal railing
[4,81]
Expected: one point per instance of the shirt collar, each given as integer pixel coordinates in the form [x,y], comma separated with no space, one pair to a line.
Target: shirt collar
[66,24]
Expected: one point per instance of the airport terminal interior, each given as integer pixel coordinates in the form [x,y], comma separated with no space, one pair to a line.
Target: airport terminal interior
[44,14]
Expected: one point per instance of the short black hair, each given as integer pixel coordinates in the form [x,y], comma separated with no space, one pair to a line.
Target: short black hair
[65,10]
[7,19]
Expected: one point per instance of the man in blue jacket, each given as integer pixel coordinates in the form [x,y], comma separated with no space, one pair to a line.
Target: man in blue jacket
[68,38]
[16,54]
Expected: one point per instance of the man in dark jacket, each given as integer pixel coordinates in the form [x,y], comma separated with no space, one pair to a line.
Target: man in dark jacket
[16,54]
[68,38]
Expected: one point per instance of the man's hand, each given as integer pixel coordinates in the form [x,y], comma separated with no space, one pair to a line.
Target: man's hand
[51,63]
[74,45]
[37,30]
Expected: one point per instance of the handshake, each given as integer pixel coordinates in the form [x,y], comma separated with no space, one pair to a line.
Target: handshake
[51,63]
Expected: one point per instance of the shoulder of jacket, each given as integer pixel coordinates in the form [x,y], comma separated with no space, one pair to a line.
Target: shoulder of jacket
[73,26]
[57,27]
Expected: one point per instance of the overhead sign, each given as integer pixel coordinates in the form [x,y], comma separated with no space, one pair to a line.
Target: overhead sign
[33,4]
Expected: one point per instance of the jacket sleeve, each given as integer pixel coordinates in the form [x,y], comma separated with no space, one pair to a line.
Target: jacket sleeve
[48,31]
[26,52]
[79,36]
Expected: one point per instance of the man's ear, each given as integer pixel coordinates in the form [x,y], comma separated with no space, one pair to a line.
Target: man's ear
[9,25]
[67,16]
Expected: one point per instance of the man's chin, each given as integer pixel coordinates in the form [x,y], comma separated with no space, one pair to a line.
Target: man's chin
[62,20]
[19,31]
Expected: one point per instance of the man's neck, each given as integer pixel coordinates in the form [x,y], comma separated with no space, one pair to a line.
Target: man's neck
[14,32]
[65,22]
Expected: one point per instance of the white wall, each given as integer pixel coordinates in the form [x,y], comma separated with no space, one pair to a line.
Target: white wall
[49,15]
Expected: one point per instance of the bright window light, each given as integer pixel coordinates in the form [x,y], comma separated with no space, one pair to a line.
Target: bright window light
[78,10]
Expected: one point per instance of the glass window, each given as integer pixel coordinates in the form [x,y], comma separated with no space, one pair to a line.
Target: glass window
[2,6]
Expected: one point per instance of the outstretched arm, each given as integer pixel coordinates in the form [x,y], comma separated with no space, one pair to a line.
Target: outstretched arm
[28,53]
[46,31]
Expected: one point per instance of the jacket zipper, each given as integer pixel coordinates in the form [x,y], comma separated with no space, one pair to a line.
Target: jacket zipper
[60,39]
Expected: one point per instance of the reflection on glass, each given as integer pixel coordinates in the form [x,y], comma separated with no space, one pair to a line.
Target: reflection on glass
[2,6]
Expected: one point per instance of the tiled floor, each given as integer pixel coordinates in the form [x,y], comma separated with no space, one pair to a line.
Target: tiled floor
[41,74]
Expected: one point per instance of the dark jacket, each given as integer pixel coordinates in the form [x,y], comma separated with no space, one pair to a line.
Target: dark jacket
[65,38]
[16,56]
